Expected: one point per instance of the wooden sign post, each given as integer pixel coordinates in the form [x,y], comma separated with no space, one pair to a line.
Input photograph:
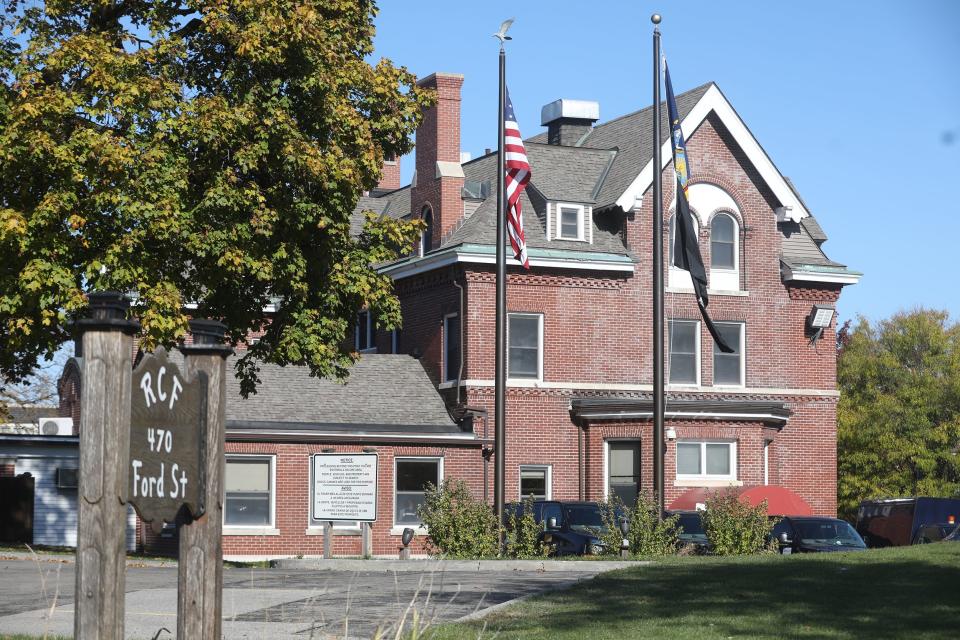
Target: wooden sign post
[200,586]
[107,344]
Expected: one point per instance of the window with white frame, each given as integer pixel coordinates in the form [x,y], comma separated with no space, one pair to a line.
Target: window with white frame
[248,491]
[451,346]
[525,339]
[728,367]
[684,352]
[412,476]
[724,274]
[363,334]
[570,221]
[679,278]
[535,481]
[706,460]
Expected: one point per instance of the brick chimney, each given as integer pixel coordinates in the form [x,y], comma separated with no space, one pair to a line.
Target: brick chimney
[390,178]
[439,176]
[567,121]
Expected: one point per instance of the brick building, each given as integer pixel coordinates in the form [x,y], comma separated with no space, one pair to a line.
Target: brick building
[579,396]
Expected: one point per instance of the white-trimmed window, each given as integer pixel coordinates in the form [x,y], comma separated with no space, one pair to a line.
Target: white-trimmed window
[570,221]
[535,481]
[363,333]
[411,478]
[728,367]
[451,346]
[679,278]
[724,253]
[706,460]
[525,340]
[684,352]
[249,492]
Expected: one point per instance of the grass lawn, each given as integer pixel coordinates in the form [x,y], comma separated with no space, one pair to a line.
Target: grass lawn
[907,592]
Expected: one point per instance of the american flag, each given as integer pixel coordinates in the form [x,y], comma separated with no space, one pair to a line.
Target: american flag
[516,179]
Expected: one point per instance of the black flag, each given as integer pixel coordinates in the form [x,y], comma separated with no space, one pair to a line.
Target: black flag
[686,246]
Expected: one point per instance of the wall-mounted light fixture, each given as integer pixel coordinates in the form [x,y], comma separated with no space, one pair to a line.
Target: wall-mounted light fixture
[819,319]
[671,434]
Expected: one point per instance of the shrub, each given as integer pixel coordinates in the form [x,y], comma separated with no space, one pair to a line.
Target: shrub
[524,539]
[647,536]
[735,528]
[458,525]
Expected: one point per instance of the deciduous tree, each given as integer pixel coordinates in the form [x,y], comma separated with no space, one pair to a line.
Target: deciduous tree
[898,431]
[203,153]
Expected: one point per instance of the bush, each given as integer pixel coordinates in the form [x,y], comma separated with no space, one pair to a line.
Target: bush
[647,536]
[734,528]
[524,539]
[458,525]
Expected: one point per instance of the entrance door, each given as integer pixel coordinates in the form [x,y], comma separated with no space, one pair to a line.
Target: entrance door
[623,478]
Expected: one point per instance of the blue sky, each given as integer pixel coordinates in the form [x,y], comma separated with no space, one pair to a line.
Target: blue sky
[858,103]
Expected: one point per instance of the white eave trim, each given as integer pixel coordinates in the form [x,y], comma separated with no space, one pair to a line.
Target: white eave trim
[714,100]
[683,415]
[798,274]
[455,256]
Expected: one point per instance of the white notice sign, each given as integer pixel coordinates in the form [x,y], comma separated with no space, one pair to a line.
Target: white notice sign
[345,486]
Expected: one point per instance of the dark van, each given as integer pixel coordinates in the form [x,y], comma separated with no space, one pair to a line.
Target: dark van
[902,521]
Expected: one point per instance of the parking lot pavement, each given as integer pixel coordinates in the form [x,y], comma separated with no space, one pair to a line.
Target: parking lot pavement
[37,598]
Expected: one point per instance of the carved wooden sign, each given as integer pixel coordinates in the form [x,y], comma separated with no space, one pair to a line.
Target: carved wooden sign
[167,423]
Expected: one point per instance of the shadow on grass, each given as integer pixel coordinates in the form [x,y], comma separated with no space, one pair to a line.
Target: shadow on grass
[891,593]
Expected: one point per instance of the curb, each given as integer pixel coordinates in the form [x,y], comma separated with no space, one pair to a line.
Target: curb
[479,566]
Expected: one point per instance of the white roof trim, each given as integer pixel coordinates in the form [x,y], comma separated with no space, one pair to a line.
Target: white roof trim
[800,275]
[713,100]
[430,263]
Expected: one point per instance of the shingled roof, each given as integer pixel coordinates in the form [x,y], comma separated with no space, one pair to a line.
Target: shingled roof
[631,135]
[597,172]
[384,393]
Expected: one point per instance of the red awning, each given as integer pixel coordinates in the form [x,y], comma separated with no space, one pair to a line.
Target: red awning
[780,500]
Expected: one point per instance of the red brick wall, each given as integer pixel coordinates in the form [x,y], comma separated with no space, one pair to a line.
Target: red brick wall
[293,498]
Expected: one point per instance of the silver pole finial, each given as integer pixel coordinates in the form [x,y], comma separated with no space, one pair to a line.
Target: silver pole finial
[655,18]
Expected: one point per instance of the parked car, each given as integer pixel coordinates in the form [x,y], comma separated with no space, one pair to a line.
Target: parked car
[570,528]
[812,534]
[692,533]
[899,521]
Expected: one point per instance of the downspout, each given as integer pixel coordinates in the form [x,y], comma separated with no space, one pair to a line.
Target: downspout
[462,350]
[581,433]
[476,411]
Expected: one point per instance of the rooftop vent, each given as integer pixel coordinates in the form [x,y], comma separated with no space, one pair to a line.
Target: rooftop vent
[567,121]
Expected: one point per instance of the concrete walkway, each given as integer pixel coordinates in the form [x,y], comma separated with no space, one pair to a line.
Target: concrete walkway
[296,599]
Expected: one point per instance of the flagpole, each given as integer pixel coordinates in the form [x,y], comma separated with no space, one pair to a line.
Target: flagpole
[658,391]
[500,414]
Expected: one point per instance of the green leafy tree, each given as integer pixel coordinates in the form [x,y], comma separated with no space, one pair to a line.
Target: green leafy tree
[197,152]
[898,420]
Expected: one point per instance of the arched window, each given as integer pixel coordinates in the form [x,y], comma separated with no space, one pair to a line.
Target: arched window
[679,278]
[723,253]
[426,236]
